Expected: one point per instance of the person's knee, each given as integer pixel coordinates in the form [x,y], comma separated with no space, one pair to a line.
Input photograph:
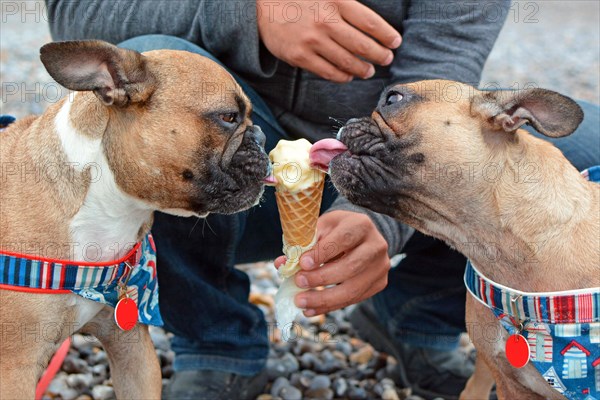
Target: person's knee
[159,42]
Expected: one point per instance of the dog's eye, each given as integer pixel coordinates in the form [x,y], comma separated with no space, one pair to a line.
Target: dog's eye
[393,97]
[230,118]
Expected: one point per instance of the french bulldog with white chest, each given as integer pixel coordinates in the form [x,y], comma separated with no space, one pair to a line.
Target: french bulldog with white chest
[143,132]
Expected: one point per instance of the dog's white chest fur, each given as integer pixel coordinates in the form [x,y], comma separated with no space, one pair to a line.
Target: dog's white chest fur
[107,224]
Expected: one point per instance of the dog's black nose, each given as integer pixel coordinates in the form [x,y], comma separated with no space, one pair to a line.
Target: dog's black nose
[257,135]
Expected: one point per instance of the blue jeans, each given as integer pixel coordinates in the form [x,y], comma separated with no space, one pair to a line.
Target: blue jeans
[204,299]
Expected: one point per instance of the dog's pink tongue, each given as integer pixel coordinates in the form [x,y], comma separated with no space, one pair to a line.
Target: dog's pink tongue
[322,152]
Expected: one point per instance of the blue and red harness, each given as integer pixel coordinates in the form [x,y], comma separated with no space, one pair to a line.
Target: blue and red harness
[134,275]
[562,329]
[98,282]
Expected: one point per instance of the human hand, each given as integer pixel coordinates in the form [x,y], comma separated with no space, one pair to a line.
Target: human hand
[327,38]
[355,259]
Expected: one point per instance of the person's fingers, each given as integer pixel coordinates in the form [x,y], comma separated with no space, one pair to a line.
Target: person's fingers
[333,298]
[368,21]
[358,43]
[320,66]
[338,271]
[279,261]
[339,55]
[332,243]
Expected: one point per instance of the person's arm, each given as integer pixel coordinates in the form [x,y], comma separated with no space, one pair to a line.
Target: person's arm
[448,40]
[226,29]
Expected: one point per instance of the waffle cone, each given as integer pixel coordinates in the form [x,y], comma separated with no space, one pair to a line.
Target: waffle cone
[299,212]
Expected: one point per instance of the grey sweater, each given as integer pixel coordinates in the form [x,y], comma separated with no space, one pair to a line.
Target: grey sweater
[441,39]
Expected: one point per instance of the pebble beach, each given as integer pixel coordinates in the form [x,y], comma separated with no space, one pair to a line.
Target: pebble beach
[549,44]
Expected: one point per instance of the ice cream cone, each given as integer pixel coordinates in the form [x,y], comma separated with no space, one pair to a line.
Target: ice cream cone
[298,213]
[298,191]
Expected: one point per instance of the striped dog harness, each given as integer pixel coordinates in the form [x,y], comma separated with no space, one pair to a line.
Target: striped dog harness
[94,281]
[562,329]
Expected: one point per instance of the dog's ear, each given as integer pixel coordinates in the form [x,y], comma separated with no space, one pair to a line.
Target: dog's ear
[550,113]
[117,76]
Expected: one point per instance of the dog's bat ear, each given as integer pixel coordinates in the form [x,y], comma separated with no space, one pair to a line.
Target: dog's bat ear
[117,76]
[548,112]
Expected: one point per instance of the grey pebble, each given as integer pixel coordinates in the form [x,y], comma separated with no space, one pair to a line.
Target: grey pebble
[274,369]
[99,374]
[99,357]
[363,372]
[387,383]
[60,387]
[340,387]
[327,355]
[295,380]
[279,384]
[74,365]
[79,341]
[69,394]
[283,347]
[103,392]
[390,394]
[319,394]
[306,377]
[283,366]
[290,363]
[80,382]
[291,393]
[344,347]
[357,393]
[328,364]
[308,360]
[320,382]
[159,338]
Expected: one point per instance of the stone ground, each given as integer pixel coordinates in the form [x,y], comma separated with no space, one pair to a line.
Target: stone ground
[550,44]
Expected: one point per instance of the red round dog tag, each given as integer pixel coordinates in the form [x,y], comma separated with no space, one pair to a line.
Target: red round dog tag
[517,350]
[126,314]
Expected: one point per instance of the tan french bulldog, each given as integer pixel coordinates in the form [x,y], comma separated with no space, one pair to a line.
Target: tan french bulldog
[452,162]
[143,132]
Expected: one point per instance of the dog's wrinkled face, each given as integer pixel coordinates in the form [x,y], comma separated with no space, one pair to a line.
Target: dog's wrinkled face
[392,155]
[432,150]
[178,133]
[200,150]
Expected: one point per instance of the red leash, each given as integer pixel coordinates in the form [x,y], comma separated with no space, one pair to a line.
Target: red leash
[53,367]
